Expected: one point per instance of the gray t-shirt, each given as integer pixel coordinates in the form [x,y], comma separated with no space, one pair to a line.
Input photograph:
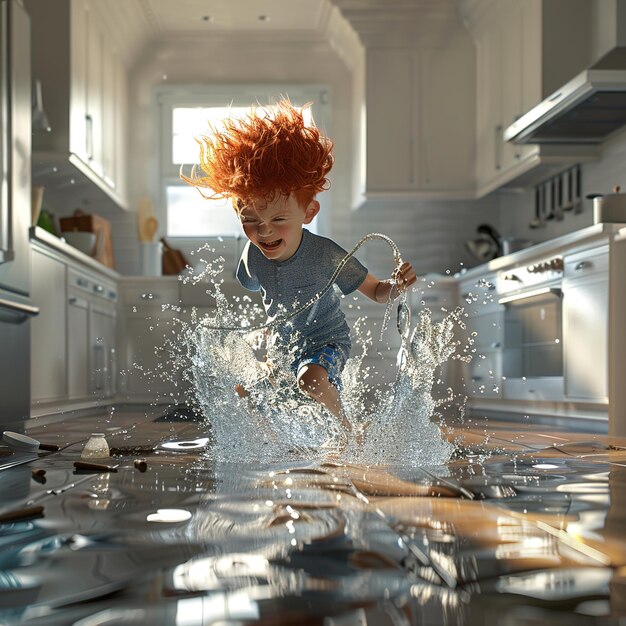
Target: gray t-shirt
[296,281]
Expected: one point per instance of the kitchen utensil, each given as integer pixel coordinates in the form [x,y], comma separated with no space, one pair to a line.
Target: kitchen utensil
[83,222]
[487,245]
[510,245]
[145,214]
[481,248]
[151,258]
[150,228]
[609,208]
[18,441]
[174,262]
[83,241]
[36,202]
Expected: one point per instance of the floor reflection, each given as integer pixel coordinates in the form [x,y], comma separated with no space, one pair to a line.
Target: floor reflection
[521,528]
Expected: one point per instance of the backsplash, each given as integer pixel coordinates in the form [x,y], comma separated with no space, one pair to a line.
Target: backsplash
[517,210]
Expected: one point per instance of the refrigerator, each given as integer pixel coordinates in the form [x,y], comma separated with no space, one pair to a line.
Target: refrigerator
[16,308]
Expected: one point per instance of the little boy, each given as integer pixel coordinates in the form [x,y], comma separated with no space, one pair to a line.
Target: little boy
[272,166]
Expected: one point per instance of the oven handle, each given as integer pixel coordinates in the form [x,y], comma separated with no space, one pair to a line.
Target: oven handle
[554,291]
[24,310]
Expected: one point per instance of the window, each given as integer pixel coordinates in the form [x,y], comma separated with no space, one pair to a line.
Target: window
[183,115]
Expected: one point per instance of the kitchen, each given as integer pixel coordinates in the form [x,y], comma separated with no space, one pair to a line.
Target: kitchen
[419,100]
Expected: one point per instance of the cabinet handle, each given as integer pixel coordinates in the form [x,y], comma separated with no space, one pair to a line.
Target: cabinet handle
[495,344]
[98,288]
[476,378]
[581,265]
[99,367]
[89,136]
[82,282]
[498,147]
[150,296]
[79,302]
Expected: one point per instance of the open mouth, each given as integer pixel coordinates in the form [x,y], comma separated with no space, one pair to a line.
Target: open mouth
[270,245]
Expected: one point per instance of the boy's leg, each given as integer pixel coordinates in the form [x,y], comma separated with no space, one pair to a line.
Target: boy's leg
[313,380]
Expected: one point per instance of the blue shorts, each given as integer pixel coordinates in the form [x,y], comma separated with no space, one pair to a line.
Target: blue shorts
[330,358]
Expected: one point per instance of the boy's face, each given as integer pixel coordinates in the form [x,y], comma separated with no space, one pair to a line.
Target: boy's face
[275,227]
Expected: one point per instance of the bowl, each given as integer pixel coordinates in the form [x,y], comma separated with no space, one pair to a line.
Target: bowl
[17,441]
[83,241]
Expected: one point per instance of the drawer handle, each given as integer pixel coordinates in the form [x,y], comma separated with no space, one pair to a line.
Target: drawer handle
[82,282]
[98,288]
[150,296]
[581,265]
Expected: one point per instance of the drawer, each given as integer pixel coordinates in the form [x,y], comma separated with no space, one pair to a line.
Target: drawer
[90,284]
[587,263]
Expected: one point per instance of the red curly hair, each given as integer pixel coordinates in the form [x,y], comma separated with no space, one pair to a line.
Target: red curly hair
[268,152]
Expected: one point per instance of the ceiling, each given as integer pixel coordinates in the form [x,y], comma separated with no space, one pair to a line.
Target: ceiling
[202,16]
[171,18]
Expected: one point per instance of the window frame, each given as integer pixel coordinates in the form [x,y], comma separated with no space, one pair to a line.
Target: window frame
[168,97]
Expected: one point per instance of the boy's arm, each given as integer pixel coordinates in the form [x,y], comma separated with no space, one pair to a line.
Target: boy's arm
[384,290]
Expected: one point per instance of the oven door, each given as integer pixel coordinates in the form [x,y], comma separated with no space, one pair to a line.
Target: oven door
[15,318]
[532,356]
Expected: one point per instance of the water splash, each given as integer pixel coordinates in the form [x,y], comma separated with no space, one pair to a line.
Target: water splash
[394,422]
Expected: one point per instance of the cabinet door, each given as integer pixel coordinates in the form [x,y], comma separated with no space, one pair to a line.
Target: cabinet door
[94,128]
[102,352]
[446,137]
[489,119]
[78,79]
[391,120]
[48,329]
[585,338]
[145,358]
[77,347]
[109,121]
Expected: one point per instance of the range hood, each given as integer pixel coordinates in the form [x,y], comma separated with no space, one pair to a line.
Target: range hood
[586,110]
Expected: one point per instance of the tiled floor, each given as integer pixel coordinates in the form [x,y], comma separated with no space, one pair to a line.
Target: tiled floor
[525,525]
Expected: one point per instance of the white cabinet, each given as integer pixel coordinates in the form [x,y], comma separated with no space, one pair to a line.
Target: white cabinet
[147,324]
[585,325]
[85,96]
[73,347]
[91,335]
[420,120]
[48,329]
[484,321]
[522,57]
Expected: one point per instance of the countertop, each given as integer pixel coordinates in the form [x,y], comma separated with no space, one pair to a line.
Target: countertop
[551,247]
[46,239]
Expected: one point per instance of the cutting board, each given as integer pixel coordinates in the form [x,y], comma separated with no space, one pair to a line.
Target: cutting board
[93,224]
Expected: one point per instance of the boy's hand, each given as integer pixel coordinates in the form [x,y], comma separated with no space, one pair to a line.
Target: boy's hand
[404,276]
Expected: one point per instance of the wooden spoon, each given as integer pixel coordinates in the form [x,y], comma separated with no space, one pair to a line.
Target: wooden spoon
[150,228]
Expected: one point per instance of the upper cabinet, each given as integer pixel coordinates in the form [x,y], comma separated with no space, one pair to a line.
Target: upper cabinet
[420,110]
[522,55]
[420,120]
[85,96]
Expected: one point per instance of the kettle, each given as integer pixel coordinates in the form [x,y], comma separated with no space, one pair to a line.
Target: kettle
[609,208]
[488,244]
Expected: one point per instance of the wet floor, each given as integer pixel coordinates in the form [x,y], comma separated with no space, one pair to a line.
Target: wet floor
[525,526]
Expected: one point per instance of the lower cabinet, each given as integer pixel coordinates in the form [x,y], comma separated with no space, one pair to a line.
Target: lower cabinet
[149,309]
[48,329]
[91,336]
[585,325]
[482,375]
[73,347]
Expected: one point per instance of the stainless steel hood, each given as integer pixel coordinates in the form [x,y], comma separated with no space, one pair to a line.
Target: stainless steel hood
[586,110]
